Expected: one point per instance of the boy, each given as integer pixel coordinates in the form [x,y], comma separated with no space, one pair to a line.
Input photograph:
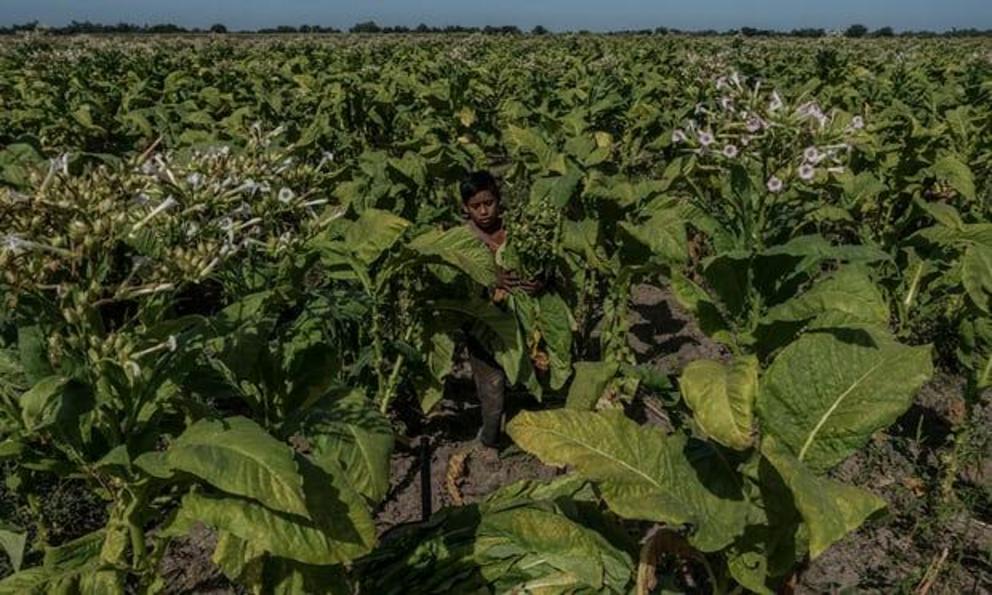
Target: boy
[481,201]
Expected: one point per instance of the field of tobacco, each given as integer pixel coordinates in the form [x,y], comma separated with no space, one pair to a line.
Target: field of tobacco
[235,286]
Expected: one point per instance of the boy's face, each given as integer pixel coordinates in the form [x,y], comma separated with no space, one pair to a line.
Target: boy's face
[483,210]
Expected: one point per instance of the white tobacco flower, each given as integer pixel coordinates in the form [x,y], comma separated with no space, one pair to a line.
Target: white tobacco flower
[812,155]
[774,184]
[807,172]
[61,164]
[776,102]
[249,223]
[754,125]
[705,138]
[678,136]
[14,244]
[286,195]
[726,103]
[857,123]
[730,151]
[192,229]
[195,179]
[166,204]
[172,344]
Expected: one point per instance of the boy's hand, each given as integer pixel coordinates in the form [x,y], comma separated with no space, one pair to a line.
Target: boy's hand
[508,280]
[531,286]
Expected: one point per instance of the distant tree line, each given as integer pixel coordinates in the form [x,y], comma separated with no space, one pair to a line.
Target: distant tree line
[854,31]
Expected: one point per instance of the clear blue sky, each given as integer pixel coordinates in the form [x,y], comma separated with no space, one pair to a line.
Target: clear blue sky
[554,14]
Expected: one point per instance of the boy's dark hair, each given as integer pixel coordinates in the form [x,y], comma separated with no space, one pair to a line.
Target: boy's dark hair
[476,182]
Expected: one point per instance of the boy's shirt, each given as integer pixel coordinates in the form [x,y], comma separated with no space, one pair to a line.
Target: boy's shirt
[492,240]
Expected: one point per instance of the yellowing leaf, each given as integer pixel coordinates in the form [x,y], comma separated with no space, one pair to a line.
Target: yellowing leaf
[642,473]
[722,398]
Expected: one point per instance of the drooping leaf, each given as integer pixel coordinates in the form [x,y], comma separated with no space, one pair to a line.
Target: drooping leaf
[591,380]
[664,235]
[826,393]
[374,232]
[830,508]
[554,320]
[239,457]
[642,473]
[849,296]
[499,331]
[276,533]
[722,398]
[39,406]
[547,538]
[33,352]
[693,298]
[976,275]
[460,248]
[353,432]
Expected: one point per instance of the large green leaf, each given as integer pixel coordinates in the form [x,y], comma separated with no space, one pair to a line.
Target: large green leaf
[374,232]
[460,248]
[239,457]
[664,234]
[643,474]
[353,432]
[976,275]
[825,394]
[39,406]
[56,404]
[549,315]
[722,398]
[538,537]
[830,509]
[849,296]
[275,533]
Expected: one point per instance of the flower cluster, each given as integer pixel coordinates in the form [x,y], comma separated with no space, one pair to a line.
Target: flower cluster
[148,227]
[743,122]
